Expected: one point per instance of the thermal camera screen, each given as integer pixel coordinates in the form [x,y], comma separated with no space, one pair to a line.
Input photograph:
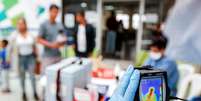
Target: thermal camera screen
[151,89]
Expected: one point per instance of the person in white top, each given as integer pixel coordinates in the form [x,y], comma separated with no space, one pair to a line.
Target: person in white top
[27,53]
[81,38]
[84,36]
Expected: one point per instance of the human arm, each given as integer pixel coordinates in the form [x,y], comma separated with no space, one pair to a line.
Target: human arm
[91,39]
[43,40]
[49,44]
[147,62]
[35,48]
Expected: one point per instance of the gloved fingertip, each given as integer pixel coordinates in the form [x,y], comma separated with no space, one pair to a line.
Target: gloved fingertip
[130,67]
[136,75]
[137,72]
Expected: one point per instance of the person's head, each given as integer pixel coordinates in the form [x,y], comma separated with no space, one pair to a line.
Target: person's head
[151,90]
[113,14]
[80,17]
[158,27]
[120,22]
[4,43]
[22,25]
[157,48]
[53,11]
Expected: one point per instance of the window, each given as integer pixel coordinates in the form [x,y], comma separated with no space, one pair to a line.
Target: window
[147,18]
[69,20]
[124,18]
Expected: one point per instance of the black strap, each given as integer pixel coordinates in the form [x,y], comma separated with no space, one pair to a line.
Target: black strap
[58,79]
[176,98]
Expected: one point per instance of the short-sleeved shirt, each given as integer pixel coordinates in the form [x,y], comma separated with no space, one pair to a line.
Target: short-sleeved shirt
[3,58]
[49,32]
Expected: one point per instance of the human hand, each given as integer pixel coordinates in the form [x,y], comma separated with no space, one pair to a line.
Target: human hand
[128,86]
[56,45]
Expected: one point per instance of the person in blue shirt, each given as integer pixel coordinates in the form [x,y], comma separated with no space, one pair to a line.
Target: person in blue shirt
[159,60]
[198,98]
[4,65]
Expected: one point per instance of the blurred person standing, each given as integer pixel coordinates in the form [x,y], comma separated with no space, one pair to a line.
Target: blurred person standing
[27,53]
[159,60]
[48,35]
[112,26]
[120,35]
[5,65]
[84,35]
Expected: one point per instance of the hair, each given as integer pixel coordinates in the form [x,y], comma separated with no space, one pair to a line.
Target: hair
[113,13]
[81,12]
[159,42]
[5,43]
[53,6]
[24,20]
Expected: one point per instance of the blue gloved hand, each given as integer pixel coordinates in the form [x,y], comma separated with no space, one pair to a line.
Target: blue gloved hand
[128,86]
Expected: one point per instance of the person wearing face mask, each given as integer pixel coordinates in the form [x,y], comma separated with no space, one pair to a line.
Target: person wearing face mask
[159,60]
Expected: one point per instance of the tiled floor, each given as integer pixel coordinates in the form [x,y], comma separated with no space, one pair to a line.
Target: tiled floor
[16,92]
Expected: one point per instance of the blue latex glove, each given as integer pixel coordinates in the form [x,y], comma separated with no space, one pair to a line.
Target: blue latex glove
[128,86]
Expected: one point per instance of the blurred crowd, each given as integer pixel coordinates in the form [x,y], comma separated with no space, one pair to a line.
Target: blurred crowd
[52,37]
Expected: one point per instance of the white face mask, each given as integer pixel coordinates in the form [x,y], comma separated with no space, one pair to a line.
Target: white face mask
[155,56]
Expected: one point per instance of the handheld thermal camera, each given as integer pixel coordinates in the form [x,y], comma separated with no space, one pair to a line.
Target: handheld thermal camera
[153,85]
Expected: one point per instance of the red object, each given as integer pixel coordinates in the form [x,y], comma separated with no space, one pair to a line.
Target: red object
[104,73]
[75,99]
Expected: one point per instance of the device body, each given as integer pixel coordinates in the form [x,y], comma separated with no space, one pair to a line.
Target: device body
[153,85]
